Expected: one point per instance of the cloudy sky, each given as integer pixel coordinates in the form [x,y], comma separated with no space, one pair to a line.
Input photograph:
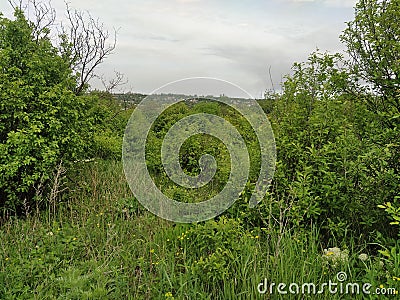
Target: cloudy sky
[160,41]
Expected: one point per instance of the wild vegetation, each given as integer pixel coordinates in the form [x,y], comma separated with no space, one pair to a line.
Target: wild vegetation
[70,227]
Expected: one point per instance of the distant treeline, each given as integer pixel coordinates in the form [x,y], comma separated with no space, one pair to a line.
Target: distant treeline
[135,98]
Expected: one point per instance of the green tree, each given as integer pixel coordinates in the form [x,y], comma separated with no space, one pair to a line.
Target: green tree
[373,43]
[42,122]
[334,163]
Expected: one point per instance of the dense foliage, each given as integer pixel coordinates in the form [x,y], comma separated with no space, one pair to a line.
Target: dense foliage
[333,204]
[372,41]
[336,163]
[42,123]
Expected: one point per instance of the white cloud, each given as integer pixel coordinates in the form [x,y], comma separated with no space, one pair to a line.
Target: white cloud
[341,3]
[160,41]
[332,3]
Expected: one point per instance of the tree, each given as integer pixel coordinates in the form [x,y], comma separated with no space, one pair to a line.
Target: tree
[47,119]
[373,43]
[83,41]
[43,124]
[43,15]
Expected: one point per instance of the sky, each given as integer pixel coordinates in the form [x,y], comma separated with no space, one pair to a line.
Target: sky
[160,41]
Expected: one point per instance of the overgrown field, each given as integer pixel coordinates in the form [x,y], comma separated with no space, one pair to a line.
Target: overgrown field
[327,228]
[95,241]
[100,244]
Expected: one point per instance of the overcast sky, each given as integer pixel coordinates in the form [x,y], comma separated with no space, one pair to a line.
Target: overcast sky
[160,41]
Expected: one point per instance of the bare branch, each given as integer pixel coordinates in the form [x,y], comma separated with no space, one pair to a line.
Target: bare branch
[42,18]
[16,4]
[113,83]
[83,41]
[90,45]
[270,78]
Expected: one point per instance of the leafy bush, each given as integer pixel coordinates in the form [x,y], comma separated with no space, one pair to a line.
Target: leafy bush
[196,146]
[393,211]
[216,246]
[372,42]
[334,166]
[42,122]
[108,119]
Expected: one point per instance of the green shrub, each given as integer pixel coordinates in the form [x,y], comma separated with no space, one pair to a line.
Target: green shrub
[335,161]
[215,247]
[196,146]
[42,122]
[108,119]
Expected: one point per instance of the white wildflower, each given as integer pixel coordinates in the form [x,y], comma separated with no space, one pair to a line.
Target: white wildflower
[363,257]
[335,256]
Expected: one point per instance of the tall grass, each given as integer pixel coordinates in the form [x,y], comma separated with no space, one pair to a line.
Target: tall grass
[101,244]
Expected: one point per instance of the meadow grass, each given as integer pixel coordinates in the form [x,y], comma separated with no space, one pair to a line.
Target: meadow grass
[99,243]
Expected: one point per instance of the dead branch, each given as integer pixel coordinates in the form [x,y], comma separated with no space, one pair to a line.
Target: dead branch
[111,84]
[43,15]
[89,45]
